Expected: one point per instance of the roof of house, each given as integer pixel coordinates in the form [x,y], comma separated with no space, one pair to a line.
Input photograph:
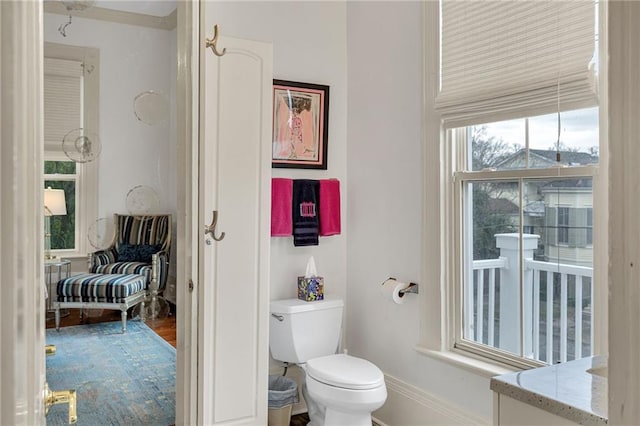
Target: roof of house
[544,157]
[502,205]
[566,157]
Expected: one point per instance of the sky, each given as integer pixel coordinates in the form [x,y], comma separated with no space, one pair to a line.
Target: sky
[579,130]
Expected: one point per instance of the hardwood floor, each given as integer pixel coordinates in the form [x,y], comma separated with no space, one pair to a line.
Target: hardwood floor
[165,328]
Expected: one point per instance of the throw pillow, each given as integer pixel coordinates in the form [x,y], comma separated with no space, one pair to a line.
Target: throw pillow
[127,252]
[146,250]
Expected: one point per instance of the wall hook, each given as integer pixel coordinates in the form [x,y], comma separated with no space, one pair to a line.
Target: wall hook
[213,42]
[211,229]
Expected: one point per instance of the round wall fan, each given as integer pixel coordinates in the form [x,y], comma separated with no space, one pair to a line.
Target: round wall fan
[151,107]
[81,145]
[101,233]
[142,199]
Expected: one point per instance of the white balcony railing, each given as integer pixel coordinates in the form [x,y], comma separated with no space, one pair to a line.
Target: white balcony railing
[556,302]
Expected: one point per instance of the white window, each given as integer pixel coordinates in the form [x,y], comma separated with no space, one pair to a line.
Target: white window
[70,102]
[62,173]
[589,227]
[563,225]
[522,138]
[527,274]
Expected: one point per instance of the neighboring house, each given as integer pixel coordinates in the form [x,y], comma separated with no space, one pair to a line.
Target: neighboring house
[540,158]
[560,211]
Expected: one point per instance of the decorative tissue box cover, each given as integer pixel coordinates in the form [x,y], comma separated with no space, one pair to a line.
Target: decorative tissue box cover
[310,289]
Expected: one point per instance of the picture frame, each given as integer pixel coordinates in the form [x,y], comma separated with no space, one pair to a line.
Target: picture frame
[300,125]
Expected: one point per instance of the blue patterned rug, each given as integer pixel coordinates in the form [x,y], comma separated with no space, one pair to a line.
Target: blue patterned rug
[120,379]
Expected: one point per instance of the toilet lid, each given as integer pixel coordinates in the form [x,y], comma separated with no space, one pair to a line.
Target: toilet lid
[345,371]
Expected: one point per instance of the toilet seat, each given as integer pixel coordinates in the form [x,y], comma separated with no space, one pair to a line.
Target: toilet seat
[345,371]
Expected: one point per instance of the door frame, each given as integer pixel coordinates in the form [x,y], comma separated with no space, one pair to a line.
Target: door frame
[22,320]
[187,233]
[21,216]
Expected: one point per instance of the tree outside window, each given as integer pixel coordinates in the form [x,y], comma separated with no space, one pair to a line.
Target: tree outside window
[62,175]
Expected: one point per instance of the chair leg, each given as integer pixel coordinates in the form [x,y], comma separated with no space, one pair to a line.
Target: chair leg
[123,316]
[58,318]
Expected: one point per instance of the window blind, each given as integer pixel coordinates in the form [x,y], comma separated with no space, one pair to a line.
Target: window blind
[511,59]
[62,99]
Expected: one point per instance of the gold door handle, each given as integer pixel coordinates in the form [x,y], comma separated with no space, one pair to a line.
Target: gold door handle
[211,229]
[213,42]
[61,397]
[50,350]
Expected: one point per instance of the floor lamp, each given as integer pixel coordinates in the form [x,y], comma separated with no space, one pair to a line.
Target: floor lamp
[54,205]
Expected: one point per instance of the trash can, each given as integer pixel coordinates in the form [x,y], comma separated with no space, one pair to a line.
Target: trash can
[283,393]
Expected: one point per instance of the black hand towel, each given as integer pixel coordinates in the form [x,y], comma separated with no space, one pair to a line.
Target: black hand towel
[305,212]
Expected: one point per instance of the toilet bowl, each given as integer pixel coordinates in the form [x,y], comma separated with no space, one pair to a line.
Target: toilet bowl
[346,389]
[339,389]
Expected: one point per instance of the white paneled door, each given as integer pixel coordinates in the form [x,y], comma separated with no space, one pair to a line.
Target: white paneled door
[21,215]
[234,190]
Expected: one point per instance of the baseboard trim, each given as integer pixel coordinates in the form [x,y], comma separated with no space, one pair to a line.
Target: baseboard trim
[408,405]
[378,422]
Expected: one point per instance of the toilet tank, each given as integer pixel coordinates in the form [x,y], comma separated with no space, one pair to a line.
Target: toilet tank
[299,330]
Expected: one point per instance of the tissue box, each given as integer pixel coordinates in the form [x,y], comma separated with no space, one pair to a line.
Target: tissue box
[310,289]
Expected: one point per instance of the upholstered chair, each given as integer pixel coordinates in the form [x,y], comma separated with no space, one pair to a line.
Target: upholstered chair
[142,245]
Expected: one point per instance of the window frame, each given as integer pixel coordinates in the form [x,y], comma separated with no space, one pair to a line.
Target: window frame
[589,227]
[87,173]
[437,318]
[457,147]
[77,179]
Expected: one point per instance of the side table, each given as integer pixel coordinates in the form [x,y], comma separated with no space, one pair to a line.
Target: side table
[54,271]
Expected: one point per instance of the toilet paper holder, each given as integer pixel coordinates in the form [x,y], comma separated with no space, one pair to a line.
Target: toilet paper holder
[411,288]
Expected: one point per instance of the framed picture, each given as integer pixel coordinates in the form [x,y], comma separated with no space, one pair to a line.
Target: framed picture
[300,125]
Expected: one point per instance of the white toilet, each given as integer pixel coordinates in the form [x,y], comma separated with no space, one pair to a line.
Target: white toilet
[340,390]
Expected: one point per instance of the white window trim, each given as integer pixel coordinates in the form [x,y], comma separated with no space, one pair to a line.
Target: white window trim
[77,178]
[455,190]
[438,272]
[87,183]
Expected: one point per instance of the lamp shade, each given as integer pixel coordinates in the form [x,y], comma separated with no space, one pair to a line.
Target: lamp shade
[54,202]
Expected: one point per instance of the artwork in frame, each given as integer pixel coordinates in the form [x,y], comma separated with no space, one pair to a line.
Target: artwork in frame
[300,125]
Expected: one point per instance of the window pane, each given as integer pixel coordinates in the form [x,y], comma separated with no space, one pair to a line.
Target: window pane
[493,218]
[495,210]
[560,275]
[59,167]
[63,228]
[494,144]
[568,219]
[547,270]
[533,142]
[578,138]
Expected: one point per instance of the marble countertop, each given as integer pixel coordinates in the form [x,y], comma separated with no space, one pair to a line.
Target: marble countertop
[575,390]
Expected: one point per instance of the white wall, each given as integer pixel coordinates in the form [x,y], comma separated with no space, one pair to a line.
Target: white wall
[385,205]
[133,60]
[309,46]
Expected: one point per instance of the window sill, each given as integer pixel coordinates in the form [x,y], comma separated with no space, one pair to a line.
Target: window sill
[70,256]
[468,362]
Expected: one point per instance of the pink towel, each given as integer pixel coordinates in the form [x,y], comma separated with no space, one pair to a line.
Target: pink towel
[329,207]
[281,201]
